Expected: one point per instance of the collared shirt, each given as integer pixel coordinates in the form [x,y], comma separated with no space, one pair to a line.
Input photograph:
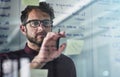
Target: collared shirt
[60,67]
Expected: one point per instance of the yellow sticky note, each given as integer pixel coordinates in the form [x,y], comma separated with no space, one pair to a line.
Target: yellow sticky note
[30,2]
[74,47]
[39,72]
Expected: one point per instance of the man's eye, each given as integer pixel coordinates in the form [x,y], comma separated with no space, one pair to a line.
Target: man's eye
[46,22]
[35,23]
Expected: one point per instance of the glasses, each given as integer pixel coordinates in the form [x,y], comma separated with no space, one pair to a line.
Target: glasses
[36,23]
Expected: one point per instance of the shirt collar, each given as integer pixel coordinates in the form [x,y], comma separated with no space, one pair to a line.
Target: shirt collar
[30,51]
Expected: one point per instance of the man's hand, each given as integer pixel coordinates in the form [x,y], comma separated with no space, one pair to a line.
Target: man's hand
[48,50]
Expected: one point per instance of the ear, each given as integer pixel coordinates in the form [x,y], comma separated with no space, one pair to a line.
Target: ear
[23,29]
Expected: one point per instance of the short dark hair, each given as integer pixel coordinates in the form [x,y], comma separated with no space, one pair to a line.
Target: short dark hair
[45,7]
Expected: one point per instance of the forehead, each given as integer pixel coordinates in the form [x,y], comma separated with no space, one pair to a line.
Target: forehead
[38,14]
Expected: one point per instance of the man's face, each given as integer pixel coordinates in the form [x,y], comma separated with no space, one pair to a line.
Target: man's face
[36,34]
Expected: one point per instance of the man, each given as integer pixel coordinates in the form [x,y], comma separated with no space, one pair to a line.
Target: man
[41,47]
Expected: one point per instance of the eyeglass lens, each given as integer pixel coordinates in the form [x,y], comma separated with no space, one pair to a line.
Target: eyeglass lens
[36,23]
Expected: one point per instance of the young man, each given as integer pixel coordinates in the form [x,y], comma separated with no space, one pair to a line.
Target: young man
[41,47]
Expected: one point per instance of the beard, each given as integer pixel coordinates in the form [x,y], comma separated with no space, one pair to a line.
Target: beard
[34,40]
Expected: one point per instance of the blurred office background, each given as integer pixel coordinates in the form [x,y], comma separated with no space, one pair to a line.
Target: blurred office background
[96,22]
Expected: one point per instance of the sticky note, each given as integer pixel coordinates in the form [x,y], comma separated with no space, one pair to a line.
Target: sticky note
[39,72]
[74,47]
[30,2]
[42,0]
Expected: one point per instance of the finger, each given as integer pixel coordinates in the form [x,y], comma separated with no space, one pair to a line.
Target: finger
[60,50]
[55,54]
[55,36]
[50,37]
[62,47]
[62,34]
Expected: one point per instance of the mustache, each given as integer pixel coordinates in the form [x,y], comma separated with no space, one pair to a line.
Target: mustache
[42,33]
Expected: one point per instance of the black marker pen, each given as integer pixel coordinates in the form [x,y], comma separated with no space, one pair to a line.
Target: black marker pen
[57,42]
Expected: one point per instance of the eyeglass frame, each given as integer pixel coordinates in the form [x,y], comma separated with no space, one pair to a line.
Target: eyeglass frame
[40,22]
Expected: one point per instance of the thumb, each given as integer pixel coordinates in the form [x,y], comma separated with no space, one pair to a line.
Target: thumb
[62,47]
